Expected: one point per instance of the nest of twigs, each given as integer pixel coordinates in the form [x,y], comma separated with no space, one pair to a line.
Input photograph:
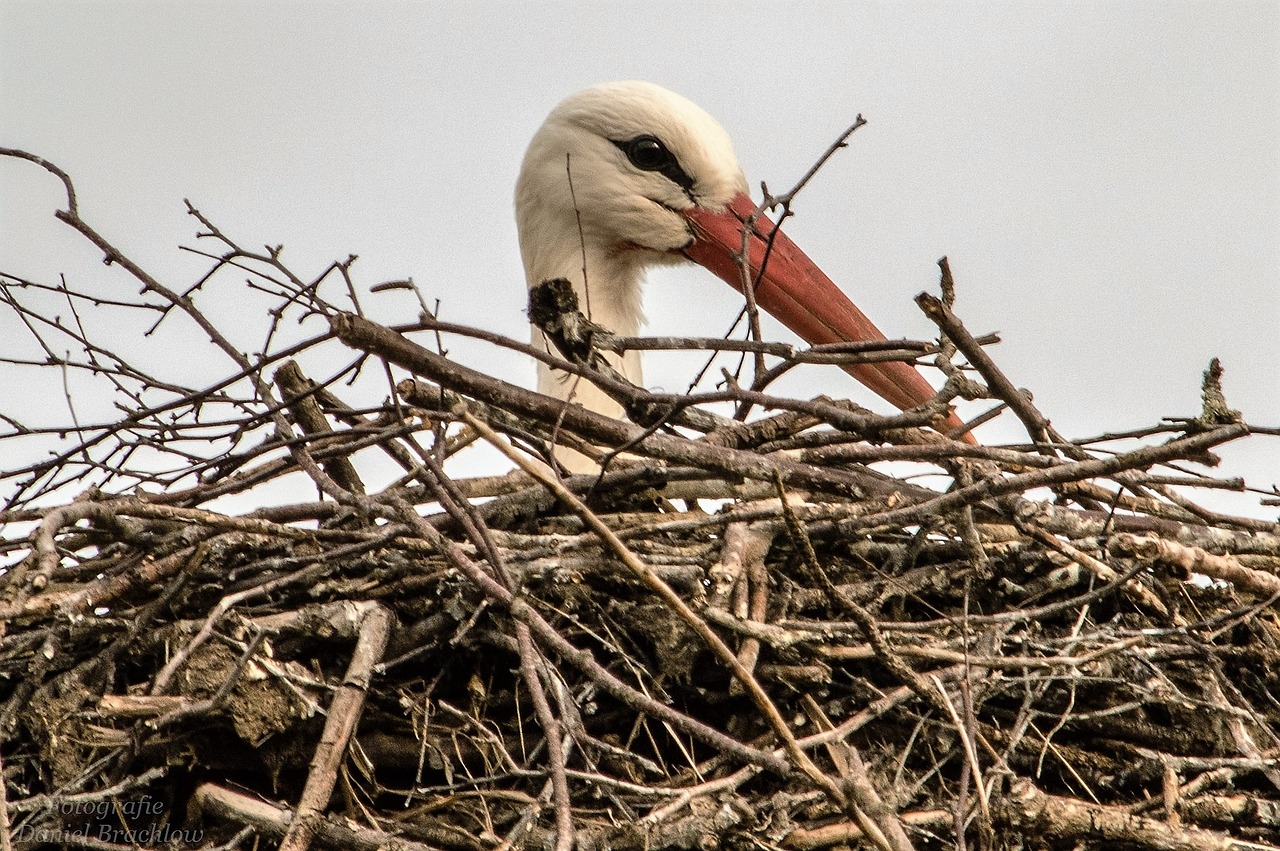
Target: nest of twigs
[738,634]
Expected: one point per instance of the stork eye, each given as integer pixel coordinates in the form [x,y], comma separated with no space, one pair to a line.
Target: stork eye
[647,153]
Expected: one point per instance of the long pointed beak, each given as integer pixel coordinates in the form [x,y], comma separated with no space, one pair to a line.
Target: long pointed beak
[800,295]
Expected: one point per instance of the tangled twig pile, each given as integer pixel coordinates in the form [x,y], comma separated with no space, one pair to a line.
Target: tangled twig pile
[739,634]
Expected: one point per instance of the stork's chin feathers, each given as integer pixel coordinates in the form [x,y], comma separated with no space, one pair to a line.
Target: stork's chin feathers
[623,176]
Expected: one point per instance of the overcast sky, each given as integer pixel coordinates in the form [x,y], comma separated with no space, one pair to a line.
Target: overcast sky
[1105,176]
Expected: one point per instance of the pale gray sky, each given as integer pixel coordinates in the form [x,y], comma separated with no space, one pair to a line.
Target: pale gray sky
[1105,176]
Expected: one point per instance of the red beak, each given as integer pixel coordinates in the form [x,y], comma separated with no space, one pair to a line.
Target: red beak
[804,299]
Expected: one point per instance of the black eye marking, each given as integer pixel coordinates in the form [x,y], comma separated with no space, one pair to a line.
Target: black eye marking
[647,153]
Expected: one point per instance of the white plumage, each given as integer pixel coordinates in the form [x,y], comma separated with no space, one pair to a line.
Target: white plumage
[575,174]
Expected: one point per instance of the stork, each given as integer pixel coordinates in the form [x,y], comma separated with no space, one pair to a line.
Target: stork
[627,175]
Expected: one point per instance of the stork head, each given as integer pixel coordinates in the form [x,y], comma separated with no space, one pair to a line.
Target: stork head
[611,174]
[626,175]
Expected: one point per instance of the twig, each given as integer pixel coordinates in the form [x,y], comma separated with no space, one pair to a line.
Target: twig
[340,724]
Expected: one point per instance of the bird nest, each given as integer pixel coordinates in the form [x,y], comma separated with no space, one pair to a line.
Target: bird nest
[749,629]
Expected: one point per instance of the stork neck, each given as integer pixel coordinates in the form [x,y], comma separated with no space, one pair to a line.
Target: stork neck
[611,292]
[611,296]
